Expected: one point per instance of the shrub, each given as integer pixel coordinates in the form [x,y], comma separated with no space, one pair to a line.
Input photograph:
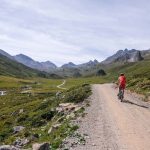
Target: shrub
[78,95]
[48,115]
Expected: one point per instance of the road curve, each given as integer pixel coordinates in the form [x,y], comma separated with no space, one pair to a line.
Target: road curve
[112,125]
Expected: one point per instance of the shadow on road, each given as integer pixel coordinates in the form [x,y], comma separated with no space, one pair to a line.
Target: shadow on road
[132,103]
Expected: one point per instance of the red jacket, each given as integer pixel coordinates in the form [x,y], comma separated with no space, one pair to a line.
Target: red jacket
[122,81]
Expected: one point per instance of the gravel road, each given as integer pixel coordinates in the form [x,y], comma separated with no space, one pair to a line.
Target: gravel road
[112,125]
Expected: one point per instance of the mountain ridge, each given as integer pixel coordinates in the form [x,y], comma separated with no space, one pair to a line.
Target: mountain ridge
[126,55]
[71,69]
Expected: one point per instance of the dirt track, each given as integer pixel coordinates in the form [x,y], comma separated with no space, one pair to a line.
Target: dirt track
[112,125]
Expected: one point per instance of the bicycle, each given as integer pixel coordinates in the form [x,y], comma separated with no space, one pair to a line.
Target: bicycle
[121,94]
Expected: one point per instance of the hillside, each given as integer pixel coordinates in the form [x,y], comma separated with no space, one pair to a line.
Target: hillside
[137,73]
[8,67]
[42,66]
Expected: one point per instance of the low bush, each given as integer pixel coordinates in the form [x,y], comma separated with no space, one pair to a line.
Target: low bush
[78,94]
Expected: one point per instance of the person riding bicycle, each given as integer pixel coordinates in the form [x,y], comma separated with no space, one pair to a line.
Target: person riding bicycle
[122,83]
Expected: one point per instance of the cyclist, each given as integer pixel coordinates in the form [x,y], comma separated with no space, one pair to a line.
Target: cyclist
[121,83]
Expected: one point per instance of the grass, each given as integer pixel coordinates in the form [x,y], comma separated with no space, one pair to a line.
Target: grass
[88,80]
[38,108]
[39,101]
[138,75]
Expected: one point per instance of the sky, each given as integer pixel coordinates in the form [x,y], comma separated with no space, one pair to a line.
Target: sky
[76,31]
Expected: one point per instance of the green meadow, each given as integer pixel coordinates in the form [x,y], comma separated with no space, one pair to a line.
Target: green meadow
[36,98]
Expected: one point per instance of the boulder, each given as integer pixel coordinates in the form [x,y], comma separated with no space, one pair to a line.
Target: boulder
[21,142]
[43,146]
[18,129]
[66,107]
[8,147]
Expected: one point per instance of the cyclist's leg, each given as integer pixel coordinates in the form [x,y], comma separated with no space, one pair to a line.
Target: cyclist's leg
[119,92]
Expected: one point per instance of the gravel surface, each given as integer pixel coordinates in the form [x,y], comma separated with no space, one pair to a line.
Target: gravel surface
[112,125]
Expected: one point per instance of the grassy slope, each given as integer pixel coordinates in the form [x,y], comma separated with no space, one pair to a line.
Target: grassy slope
[35,106]
[12,68]
[138,75]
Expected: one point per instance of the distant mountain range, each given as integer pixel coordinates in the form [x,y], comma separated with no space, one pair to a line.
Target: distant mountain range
[47,66]
[42,66]
[71,69]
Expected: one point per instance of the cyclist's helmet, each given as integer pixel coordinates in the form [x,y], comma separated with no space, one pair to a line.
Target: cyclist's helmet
[121,74]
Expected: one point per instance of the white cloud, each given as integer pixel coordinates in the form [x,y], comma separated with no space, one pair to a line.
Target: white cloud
[73,30]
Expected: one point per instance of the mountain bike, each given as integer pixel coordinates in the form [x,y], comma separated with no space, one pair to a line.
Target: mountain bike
[121,94]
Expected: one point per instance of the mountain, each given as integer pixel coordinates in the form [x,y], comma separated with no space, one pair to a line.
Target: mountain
[6,54]
[48,65]
[145,54]
[42,66]
[86,69]
[124,56]
[84,65]
[69,65]
[89,64]
[10,67]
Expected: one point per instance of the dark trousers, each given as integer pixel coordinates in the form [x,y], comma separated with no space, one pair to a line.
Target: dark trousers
[120,88]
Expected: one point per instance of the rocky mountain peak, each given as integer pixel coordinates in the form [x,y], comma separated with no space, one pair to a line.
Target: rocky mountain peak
[68,65]
[124,56]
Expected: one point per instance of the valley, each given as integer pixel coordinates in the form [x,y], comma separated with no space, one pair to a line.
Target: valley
[39,106]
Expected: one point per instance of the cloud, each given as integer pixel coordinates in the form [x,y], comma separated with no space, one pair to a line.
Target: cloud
[73,30]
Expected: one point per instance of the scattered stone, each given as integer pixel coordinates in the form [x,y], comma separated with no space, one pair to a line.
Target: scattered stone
[78,108]
[34,137]
[72,115]
[2,93]
[18,129]
[21,111]
[43,146]
[58,94]
[8,147]
[66,107]
[60,119]
[53,128]
[63,96]
[14,113]
[21,142]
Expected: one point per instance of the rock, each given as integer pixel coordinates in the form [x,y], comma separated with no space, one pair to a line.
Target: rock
[59,109]
[58,94]
[34,137]
[43,146]
[60,119]
[78,108]
[53,128]
[21,142]
[21,111]
[66,107]
[14,113]
[72,115]
[50,130]
[8,147]
[18,129]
